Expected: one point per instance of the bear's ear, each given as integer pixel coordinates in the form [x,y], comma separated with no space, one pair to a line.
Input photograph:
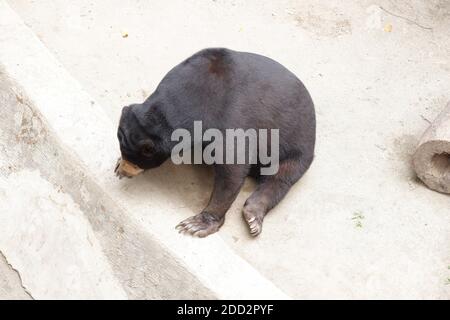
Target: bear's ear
[126,109]
[124,112]
[146,147]
[129,114]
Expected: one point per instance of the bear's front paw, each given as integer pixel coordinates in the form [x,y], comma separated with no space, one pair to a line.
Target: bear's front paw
[201,225]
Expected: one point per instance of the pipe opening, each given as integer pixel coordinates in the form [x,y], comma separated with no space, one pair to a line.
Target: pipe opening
[440,164]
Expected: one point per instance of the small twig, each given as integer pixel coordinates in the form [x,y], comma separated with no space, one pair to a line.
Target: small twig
[405,18]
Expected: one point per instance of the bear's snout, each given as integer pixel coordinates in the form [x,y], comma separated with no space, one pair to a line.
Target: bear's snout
[127,169]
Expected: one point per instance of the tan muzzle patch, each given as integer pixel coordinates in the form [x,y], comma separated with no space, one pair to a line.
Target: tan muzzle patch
[127,169]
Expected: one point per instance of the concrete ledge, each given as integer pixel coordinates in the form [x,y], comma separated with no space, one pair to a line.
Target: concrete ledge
[146,261]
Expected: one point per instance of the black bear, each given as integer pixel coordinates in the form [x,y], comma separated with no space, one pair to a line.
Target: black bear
[224,89]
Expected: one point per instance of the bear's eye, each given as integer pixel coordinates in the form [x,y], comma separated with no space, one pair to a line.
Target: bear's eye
[146,150]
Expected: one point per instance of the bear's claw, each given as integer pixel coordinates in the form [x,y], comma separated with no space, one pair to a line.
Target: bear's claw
[200,225]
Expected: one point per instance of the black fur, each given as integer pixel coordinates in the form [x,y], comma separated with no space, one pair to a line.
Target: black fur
[225,89]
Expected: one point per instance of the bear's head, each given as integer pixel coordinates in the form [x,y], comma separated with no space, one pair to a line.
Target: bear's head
[140,146]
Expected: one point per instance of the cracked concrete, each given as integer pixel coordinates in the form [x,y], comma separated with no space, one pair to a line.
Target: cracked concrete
[11,287]
[44,234]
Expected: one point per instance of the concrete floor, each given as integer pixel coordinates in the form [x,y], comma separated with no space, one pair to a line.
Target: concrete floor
[359,224]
